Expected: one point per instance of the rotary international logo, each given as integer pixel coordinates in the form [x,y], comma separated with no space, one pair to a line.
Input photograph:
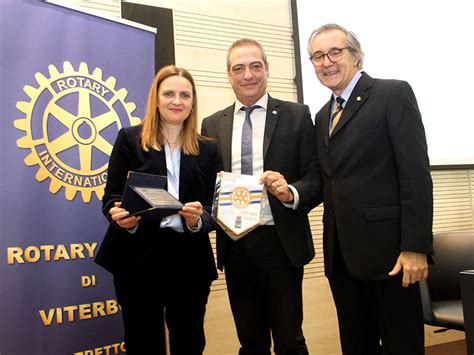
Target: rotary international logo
[240,197]
[70,125]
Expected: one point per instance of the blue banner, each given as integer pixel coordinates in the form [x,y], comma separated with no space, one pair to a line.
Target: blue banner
[68,82]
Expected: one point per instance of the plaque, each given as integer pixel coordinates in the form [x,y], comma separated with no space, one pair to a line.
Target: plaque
[145,195]
[238,203]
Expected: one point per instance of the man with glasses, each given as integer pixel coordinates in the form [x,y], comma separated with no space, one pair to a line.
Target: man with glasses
[264,269]
[378,203]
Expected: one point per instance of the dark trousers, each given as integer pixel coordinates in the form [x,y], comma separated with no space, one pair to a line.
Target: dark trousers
[376,317]
[265,293]
[148,302]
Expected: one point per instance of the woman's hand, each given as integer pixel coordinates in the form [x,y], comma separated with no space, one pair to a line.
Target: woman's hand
[191,212]
[122,218]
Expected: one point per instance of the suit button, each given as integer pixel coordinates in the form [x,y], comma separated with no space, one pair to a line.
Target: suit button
[331,211]
[327,150]
[333,182]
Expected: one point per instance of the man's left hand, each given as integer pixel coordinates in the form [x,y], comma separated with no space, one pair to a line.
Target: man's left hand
[277,186]
[414,266]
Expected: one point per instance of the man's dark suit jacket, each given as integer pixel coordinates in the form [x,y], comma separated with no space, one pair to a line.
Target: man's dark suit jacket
[376,179]
[287,148]
[121,251]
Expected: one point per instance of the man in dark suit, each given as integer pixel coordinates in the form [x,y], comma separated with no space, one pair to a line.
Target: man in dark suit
[378,203]
[264,269]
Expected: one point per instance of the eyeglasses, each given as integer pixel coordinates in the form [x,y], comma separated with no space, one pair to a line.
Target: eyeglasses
[334,55]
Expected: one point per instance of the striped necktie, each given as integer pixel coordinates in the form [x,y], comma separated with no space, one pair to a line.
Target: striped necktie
[336,114]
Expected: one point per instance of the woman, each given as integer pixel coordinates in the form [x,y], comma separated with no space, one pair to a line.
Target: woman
[163,269]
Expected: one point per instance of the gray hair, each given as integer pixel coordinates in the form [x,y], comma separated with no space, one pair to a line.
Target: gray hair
[352,42]
[246,42]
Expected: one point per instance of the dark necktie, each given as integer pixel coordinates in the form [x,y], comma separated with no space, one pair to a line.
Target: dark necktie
[246,164]
[336,114]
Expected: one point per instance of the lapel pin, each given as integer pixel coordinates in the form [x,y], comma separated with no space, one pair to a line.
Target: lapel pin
[274,112]
[358,98]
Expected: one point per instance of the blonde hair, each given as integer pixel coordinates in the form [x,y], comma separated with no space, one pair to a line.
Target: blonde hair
[152,135]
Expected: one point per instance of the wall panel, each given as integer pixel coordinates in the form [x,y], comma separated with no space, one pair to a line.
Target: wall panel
[201,46]
[109,7]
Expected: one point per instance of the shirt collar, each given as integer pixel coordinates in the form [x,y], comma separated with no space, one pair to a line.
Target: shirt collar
[349,88]
[262,102]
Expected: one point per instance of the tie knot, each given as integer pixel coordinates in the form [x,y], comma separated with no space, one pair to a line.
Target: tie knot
[339,100]
[248,109]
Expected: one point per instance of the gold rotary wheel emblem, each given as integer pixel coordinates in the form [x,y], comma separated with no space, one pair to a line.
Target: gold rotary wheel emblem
[240,197]
[70,125]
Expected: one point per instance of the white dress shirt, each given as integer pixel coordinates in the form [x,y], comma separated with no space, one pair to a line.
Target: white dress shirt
[258,119]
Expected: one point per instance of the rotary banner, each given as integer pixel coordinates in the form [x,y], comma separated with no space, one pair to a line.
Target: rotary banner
[69,81]
[239,202]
